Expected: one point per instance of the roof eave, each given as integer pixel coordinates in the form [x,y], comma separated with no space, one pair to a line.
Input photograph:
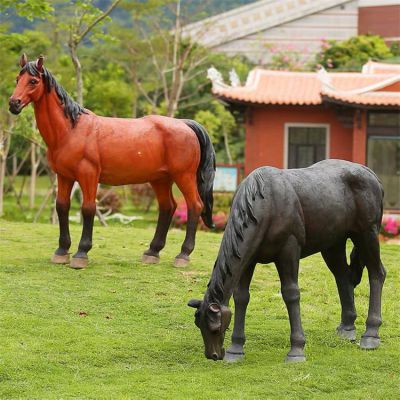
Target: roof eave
[332,100]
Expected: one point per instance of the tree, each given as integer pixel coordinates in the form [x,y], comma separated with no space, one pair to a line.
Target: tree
[85,19]
[353,53]
[11,45]
[168,61]
[29,9]
[218,121]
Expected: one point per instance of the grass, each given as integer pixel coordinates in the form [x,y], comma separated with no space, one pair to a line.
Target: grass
[122,330]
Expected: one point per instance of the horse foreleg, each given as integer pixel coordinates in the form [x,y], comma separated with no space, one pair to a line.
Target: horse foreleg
[288,269]
[241,297]
[88,181]
[167,207]
[188,185]
[63,202]
[368,244]
[335,259]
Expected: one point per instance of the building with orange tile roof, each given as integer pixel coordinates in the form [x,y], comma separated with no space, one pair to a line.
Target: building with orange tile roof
[260,28]
[294,119]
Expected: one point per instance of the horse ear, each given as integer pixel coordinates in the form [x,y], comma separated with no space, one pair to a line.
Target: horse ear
[194,303]
[214,317]
[214,307]
[39,63]
[23,60]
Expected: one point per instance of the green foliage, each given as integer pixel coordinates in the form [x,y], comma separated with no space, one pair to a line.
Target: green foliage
[29,9]
[220,124]
[122,330]
[107,92]
[351,54]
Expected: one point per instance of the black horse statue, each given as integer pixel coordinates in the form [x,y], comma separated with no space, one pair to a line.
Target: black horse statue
[282,216]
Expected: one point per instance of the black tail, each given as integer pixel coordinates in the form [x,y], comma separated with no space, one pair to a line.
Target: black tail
[205,171]
[356,266]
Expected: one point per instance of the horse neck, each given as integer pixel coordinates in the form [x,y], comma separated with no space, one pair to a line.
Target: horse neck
[50,119]
[224,279]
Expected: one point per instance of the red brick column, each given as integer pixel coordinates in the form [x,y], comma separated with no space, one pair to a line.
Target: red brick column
[359,153]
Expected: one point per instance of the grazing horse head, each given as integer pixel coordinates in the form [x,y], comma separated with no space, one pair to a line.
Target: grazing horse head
[30,84]
[213,320]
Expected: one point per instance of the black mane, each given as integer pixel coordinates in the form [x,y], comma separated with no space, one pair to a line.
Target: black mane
[242,214]
[72,109]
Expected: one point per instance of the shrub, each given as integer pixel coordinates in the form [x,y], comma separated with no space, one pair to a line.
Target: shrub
[220,215]
[390,226]
[109,200]
[353,53]
[142,196]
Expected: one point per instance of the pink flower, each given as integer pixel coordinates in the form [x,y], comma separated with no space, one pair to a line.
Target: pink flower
[391,226]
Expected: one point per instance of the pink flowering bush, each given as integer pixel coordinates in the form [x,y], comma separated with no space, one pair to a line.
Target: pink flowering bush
[180,216]
[390,226]
[222,202]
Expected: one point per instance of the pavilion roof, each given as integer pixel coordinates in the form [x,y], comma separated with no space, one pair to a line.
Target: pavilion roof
[377,85]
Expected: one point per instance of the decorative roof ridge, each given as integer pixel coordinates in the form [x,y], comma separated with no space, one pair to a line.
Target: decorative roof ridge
[366,89]
[351,74]
[370,66]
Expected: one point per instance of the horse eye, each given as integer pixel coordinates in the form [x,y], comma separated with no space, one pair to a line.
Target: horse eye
[33,81]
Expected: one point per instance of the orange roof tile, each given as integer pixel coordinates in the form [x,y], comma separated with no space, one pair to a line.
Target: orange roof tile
[311,88]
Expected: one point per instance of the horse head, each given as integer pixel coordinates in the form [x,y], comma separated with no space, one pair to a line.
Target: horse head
[30,85]
[213,320]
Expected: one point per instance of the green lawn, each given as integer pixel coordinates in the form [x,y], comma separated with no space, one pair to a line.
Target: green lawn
[122,330]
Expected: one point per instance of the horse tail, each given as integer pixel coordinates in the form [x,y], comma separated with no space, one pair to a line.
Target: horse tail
[205,171]
[357,263]
[356,266]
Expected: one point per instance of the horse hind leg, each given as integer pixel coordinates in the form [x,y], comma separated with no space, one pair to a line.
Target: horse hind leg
[335,259]
[167,207]
[187,183]
[368,244]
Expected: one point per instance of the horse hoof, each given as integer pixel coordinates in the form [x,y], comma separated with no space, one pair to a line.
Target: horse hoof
[350,334]
[295,359]
[233,357]
[79,262]
[150,259]
[181,262]
[369,343]
[57,259]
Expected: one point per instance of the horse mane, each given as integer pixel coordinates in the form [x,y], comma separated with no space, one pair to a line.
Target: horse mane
[242,215]
[72,109]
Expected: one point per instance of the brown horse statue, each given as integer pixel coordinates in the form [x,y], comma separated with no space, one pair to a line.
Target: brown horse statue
[89,149]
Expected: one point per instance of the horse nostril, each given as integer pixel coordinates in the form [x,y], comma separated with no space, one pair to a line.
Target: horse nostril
[214,356]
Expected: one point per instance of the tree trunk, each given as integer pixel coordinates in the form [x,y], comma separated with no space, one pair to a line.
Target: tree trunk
[14,164]
[226,143]
[73,48]
[32,184]
[5,140]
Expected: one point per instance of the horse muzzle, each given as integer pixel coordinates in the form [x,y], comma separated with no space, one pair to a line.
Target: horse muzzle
[215,356]
[15,106]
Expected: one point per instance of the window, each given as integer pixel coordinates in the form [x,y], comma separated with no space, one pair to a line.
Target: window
[383,155]
[306,144]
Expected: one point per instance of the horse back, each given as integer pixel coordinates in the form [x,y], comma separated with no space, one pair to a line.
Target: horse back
[319,205]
